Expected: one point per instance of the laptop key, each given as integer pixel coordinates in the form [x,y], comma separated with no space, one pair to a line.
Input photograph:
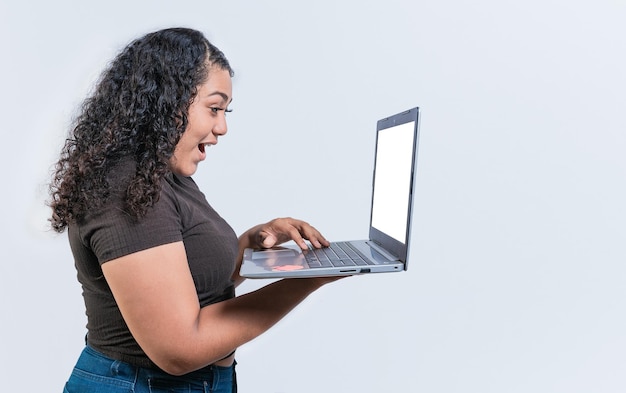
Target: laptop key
[339,254]
[325,264]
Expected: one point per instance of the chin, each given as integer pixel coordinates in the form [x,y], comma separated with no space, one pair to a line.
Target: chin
[185,172]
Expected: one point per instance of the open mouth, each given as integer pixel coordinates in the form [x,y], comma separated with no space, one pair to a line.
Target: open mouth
[203,146]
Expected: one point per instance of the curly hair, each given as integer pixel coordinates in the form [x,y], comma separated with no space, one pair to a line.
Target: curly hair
[138,110]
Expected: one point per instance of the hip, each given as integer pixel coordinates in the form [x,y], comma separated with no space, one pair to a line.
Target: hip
[95,372]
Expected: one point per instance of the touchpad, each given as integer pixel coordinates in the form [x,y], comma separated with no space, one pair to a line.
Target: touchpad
[273,253]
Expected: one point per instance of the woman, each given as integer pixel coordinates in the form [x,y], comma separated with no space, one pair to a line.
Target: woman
[158,266]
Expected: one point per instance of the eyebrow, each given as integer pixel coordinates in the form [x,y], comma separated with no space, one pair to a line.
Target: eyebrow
[223,95]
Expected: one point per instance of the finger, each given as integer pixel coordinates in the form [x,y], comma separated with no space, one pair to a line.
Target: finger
[285,229]
[267,239]
[297,237]
[318,241]
[278,232]
[315,237]
[281,230]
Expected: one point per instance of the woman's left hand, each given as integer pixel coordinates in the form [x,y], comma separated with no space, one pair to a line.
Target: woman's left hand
[281,230]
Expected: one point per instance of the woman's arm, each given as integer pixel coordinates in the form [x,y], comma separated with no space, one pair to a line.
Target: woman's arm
[156,295]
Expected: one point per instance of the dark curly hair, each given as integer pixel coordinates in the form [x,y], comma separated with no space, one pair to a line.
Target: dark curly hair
[138,110]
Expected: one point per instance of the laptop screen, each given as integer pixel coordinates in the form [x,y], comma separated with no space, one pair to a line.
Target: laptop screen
[396,145]
[392,180]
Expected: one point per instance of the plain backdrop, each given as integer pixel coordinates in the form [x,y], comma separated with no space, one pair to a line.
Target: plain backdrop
[516,280]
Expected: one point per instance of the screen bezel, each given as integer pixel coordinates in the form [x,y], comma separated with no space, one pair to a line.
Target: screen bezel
[395,247]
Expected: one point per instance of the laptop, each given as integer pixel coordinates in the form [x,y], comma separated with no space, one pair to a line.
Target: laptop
[387,248]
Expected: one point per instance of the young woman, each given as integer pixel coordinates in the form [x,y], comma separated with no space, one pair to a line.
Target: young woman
[158,266]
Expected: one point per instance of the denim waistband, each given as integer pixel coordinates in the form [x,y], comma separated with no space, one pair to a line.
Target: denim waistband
[94,367]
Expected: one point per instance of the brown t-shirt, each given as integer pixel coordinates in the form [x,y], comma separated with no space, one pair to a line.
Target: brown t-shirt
[181,214]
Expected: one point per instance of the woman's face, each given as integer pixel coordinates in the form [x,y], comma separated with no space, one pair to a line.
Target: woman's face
[206,122]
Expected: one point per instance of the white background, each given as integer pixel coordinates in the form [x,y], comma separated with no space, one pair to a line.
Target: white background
[517,276]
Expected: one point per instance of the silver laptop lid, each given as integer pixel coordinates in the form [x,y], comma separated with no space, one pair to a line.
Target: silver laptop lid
[393,184]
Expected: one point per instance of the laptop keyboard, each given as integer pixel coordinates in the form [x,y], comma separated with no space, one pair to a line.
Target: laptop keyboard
[338,254]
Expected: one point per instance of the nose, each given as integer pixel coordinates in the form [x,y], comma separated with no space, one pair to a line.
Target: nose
[220,127]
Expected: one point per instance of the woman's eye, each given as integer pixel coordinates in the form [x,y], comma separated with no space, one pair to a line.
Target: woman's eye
[216,110]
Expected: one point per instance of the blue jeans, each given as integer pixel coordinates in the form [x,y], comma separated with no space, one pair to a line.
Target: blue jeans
[96,373]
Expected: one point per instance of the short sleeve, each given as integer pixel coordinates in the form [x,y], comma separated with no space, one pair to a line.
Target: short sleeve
[113,233]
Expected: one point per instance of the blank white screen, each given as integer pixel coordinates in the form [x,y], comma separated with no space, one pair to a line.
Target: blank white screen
[392,180]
